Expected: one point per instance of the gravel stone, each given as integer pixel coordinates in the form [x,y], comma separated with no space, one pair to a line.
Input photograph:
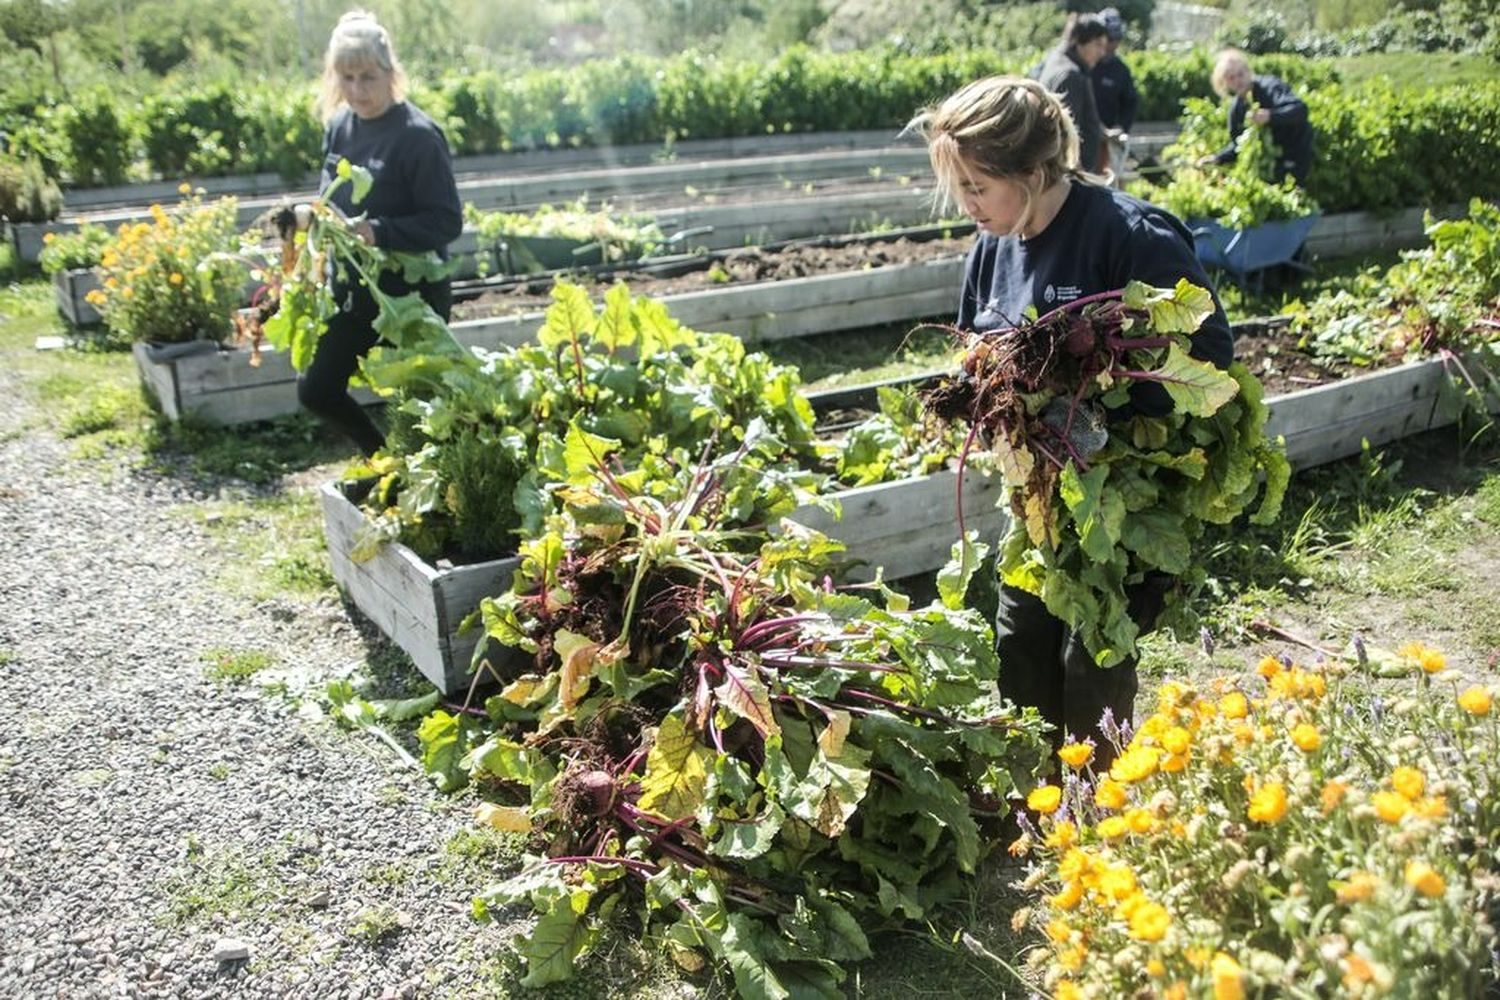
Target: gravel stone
[128,856]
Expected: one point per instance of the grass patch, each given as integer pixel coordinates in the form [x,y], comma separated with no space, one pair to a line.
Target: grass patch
[273,546]
[473,857]
[376,924]
[258,454]
[231,880]
[837,359]
[1415,70]
[230,666]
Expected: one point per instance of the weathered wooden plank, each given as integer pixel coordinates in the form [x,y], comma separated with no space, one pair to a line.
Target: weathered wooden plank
[221,387]
[71,289]
[1329,422]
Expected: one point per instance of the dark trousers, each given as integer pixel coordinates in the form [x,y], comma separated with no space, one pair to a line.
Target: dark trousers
[324,388]
[1043,664]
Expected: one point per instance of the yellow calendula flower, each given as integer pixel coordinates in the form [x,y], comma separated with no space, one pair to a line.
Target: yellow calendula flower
[1228,978]
[1244,734]
[48,237]
[1422,877]
[1176,763]
[1062,835]
[1117,882]
[111,282]
[184,188]
[1177,991]
[1112,827]
[1058,930]
[1360,886]
[1268,804]
[175,278]
[1306,737]
[1149,922]
[1066,989]
[1409,782]
[1357,971]
[1268,667]
[1070,959]
[1234,705]
[1475,701]
[1135,764]
[129,293]
[1110,795]
[1390,806]
[1156,968]
[1333,793]
[1140,820]
[1075,864]
[1068,896]
[1176,740]
[1044,799]
[1429,659]
[1076,755]
[1430,807]
[96,297]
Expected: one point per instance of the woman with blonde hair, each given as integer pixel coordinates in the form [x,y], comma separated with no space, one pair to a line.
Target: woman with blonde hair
[1006,150]
[412,205]
[1275,106]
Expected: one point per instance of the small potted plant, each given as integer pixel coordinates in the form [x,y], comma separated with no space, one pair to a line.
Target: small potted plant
[69,260]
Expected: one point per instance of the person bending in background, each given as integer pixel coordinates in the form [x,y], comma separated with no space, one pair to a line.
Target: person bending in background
[412,205]
[1005,149]
[1275,106]
[1065,72]
[1115,96]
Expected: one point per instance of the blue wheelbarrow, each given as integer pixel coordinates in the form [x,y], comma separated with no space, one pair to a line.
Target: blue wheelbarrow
[1244,253]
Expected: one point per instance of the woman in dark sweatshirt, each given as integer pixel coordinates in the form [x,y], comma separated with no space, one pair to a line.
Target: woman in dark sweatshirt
[1006,151]
[412,205]
[1065,71]
[1275,106]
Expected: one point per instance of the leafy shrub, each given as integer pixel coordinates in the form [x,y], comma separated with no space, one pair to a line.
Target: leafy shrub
[176,278]
[27,194]
[282,134]
[1240,196]
[1296,832]
[621,236]
[1444,296]
[99,141]
[200,132]
[83,247]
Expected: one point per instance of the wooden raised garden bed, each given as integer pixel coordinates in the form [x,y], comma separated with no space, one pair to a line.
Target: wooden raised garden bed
[217,385]
[908,527]
[71,289]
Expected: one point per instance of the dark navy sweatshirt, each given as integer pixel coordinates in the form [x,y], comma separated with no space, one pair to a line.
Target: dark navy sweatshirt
[413,204]
[1100,241]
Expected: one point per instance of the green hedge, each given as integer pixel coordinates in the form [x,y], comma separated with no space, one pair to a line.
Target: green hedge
[230,127]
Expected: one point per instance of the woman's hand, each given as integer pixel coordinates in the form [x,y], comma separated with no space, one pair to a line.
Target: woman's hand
[365,232]
[1260,116]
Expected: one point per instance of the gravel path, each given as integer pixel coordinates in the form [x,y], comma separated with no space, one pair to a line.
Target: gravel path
[153,821]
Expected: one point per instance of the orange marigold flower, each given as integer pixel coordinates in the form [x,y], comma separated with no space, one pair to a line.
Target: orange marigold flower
[1268,667]
[1429,659]
[1228,978]
[1109,795]
[1357,971]
[1058,930]
[1177,991]
[1307,737]
[1475,701]
[1390,806]
[1076,755]
[1149,922]
[1044,798]
[1066,989]
[1409,781]
[1070,959]
[1234,705]
[1268,804]
[1333,793]
[1360,887]
[1176,763]
[1424,878]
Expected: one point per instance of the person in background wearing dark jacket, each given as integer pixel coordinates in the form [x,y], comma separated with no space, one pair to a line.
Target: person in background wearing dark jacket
[1006,150]
[1115,96]
[1065,72]
[412,205]
[1275,105]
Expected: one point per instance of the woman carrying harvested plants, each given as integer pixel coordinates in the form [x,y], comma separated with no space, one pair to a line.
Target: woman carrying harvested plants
[412,205]
[1050,238]
[1275,107]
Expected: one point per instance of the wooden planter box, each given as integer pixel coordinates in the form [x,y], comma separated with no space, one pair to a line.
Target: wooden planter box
[71,289]
[418,606]
[219,385]
[773,310]
[908,527]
